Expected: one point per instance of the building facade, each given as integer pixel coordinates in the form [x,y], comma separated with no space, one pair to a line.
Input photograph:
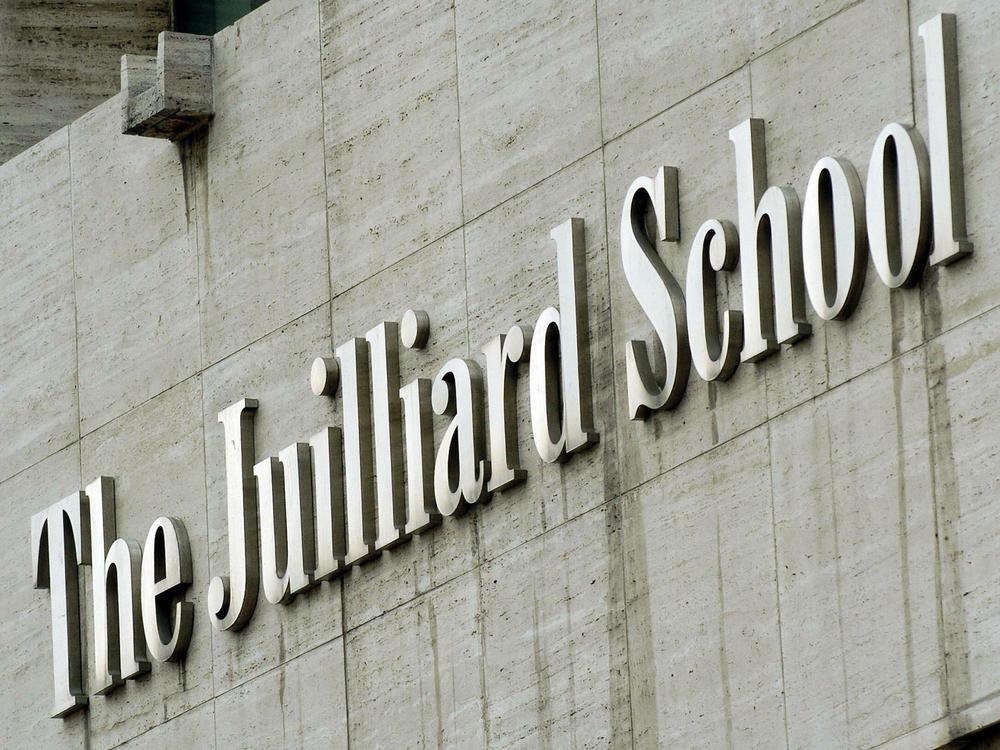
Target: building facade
[800,552]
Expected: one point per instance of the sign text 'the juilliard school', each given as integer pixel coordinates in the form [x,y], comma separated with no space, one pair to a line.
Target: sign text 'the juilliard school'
[339,498]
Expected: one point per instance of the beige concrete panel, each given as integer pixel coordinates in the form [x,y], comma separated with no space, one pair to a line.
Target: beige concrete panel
[886,541]
[275,371]
[415,675]
[773,22]
[37,319]
[703,641]
[250,716]
[965,407]
[829,92]
[156,455]
[26,628]
[810,579]
[442,553]
[512,279]
[314,699]
[555,645]
[653,55]
[258,187]
[299,705]
[959,292]
[59,60]
[191,729]
[392,137]
[136,276]
[709,413]
[528,93]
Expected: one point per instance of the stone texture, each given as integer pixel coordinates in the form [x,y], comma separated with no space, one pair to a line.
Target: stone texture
[256,188]
[38,318]
[856,559]
[555,651]
[654,55]
[517,291]
[528,92]
[194,728]
[885,539]
[136,276]
[298,705]
[703,642]
[415,675]
[773,22]
[314,693]
[59,60]
[156,455]
[275,371]
[391,131]
[709,414]
[249,716]
[963,405]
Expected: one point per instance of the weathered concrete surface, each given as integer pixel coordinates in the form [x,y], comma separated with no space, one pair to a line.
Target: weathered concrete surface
[390,102]
[60,59]
[553,614]
[528,93]
[256,181]
[416,673]
[38,317]
[803,557]
[710,673]
[136,274]
[654,55]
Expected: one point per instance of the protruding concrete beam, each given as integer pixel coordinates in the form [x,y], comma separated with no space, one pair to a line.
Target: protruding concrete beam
[170,95]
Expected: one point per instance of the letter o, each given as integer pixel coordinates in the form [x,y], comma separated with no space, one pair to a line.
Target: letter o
[898,205]
[833,238]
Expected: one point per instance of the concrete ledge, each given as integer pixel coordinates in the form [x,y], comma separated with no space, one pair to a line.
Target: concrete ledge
[170,95]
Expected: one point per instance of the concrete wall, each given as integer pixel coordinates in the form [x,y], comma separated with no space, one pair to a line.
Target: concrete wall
[60,58]
[802,557]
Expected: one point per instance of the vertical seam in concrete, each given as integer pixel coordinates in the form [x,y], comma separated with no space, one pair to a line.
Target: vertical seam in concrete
[617,495]
[326,172]
[343,645]
[909,54]
[727,702]
[938,588]
[481,616]
[777,577]
[461,180]
[480,613]
[76,307]
[947,502]
[836,567]
[79,413]
[208,535]
[904,541]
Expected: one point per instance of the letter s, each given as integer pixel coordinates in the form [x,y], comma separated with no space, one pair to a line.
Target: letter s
[658,294]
